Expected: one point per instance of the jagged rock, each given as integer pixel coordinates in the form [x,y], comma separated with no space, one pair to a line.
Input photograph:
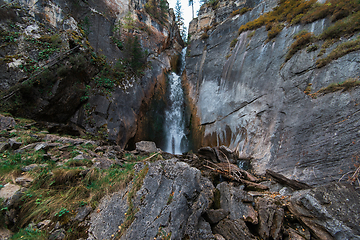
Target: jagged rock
[173,196]
[219,237]
[146,146]
[273,186]
[285,191]
[14,144]
[271,218]
[214,216]
[10,194]
[209,153]
[24,181]
[225,154]
[292,234]
[43,224]
[102,163]
[5,234]
[331,211]
[33,166]
[31,145]
[250,99]
[4,146]
[203,230]
[58,234]
[6,123]
[67,140]
[82,213]
[79,157]
[238,202]
[41,146]
[233,229]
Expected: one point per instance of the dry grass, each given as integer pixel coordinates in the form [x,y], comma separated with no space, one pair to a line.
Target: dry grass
[204,36]
[345,27]
[275,30]
[334,87]
[302,40]
[241,11]
[337,9]
[286,11]
[339,51]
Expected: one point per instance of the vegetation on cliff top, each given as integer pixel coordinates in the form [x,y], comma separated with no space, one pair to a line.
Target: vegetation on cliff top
[345,16]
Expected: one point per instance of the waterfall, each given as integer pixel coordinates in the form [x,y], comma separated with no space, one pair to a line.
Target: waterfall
[176,141]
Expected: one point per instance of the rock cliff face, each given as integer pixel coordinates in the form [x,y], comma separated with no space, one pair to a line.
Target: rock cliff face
[109,106]
[250,99]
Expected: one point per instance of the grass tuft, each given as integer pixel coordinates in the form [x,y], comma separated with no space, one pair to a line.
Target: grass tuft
[334,87]
[339,51]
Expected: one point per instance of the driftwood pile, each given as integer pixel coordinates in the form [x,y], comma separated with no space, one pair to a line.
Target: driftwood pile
[233,172]
[222,162]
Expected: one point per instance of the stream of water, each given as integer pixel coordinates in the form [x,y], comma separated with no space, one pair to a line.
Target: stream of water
[176,141]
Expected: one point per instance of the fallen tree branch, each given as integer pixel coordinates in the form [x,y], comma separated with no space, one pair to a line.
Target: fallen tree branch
[144,160]
[239,179]
[296,185]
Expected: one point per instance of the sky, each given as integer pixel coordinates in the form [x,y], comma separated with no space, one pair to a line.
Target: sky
[186,9]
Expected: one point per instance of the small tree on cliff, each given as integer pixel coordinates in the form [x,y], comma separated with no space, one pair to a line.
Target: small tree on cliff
[179,20]
[191,3]
[134,55]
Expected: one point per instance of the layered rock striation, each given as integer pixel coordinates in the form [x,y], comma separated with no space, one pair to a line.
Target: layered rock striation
[251,98]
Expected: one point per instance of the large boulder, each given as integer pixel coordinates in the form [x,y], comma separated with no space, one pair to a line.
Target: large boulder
[146,147]
[170,202]
[271,218]
[238,202]
[6,123]
[331,211]
[233,229]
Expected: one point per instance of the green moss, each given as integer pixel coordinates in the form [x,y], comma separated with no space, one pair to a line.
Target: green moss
[30,233]
[130,213]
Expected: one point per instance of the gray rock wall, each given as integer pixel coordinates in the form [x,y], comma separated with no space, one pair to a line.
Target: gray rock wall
[250,101]
[113,115]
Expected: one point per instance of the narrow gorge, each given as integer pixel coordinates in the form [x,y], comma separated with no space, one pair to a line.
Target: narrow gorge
[114,127]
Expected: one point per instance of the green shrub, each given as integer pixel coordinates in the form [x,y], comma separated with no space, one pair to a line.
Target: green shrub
[204,36]
[312,48]
[344,27]
[233,42]
[275,30]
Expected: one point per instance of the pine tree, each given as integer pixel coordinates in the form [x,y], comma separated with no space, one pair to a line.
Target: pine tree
[137,55]
[179,20]
[191,3]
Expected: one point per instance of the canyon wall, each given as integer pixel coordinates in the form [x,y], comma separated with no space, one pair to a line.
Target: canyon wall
[99,30]
[249,98]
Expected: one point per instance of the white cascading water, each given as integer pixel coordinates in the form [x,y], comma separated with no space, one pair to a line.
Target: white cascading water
[176,141]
